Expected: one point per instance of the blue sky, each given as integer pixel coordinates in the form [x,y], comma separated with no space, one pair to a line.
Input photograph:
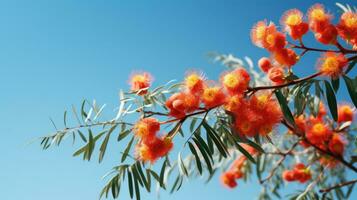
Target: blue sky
[56,53]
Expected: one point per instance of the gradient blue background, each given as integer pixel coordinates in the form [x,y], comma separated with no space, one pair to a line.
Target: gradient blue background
[56,53]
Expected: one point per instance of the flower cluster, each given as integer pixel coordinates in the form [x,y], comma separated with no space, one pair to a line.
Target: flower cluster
[253,115]
[150,146]
[258,114]
[318,132]
[266,35]
[140,82]
[299,173]
[236,170]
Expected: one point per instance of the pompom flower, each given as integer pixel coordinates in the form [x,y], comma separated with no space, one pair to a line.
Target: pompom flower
[318,133]
[234,103]
[213,96]
[194,83]
[146,128]
[299,173]
[276,75]
[285,57]
[265,64]
[293,23]
[151,150]
[228,179]
[318,18]
[328,35]
[347,27]
[337,144]
[182,103]
[332,64]
[345,113]
[140,82]
[236,81]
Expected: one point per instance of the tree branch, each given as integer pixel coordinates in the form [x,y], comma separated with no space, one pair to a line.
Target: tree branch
[326,190]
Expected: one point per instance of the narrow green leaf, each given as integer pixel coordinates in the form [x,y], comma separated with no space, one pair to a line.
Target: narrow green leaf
[130,184]
[331,100]
[205,154]
[198,160]
[284,107]
[142,176]
[127,149]
[103,147]
[137,189]
[335,84]
[181,165]
[215,138]
[123,134]
[82,136]
[245,153]
[352,89]
[162,174]
[350,66]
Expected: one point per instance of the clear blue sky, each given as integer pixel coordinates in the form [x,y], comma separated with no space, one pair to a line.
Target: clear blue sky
[56,53]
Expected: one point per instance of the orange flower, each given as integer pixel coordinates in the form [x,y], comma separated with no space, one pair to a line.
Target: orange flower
[228,179]
[328,35]
[266,36]
[285,57]
[234,103]
[337,144]
[140,82]
[265,64]
[213,96]
[288,175]
[182,103]
[345,113]
[293,23]
[276,75]
[332,64]
[236,81]
[259,116]
[299,173]
[318,18]
[151,150]
[146,128]
[318,133]
[259,32]
[347,27]
[194,83]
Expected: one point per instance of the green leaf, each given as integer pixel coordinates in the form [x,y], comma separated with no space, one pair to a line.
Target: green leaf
[142,176]
[127,149]
[285,108]
[162,174]
[123,134]
[181,164]
[245,153]
[215,138]
[350,66]
[82,136]
[130,184]
[331,100]
[335,84]
[352,88]
[103,147]
[137,189]
[198,160]
[205,154]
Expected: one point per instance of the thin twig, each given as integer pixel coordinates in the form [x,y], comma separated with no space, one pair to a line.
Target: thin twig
[280,161]
[326,190]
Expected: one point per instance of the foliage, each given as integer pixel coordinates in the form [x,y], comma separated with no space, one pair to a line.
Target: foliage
[272,124]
